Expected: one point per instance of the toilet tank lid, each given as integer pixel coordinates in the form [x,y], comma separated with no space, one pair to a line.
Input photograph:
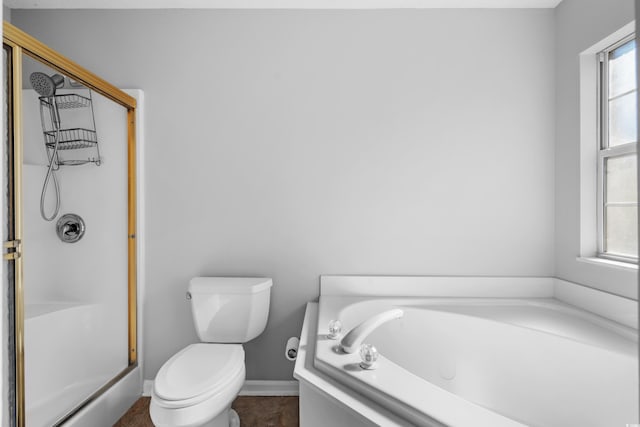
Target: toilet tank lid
[229,285]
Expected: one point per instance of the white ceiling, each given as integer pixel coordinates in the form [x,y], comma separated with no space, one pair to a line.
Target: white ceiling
[278,4]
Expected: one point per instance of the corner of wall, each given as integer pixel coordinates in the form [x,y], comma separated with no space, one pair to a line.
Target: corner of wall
[6,13]
[576,33]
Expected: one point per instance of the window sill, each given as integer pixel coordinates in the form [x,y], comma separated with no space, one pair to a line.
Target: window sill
[602,262]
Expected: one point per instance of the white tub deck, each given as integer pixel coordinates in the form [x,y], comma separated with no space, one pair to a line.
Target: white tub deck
[484,361]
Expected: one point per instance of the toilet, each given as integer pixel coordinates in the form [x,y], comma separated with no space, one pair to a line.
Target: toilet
[196,386]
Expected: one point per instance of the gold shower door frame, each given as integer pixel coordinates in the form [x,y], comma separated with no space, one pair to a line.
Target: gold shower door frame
[21,44]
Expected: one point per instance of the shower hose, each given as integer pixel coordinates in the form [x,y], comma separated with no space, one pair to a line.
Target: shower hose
[51,174]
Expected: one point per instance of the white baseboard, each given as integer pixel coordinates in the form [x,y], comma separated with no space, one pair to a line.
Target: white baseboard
[147,386]
[250,388]
[269,388]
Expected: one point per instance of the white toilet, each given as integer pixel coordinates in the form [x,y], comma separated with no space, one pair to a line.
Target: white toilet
[195,387]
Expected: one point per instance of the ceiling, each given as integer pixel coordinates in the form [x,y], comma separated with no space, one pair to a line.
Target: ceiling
[278,4]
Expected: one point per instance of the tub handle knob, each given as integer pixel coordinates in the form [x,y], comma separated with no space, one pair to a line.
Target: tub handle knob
[335,329]
[369,355]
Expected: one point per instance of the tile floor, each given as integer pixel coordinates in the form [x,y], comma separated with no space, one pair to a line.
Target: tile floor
[254,411]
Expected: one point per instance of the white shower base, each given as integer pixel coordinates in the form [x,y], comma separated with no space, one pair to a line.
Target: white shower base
[65,359]
[41,413]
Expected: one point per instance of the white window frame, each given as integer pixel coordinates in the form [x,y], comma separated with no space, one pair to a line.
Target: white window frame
[604,151]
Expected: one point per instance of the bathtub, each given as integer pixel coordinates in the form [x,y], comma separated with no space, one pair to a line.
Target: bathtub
[530,359]
[67,360]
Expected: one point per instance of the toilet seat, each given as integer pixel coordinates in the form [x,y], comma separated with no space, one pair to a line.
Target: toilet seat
[198,372]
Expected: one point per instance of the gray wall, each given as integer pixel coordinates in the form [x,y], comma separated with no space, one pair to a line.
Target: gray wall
[292,144]
[6,14]
[579,25]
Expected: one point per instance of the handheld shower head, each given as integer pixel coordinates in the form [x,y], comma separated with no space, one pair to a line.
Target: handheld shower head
[45,85]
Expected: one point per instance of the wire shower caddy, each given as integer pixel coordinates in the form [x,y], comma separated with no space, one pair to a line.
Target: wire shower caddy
[76,145]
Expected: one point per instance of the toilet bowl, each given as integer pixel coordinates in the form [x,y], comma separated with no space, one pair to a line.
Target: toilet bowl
[196,386]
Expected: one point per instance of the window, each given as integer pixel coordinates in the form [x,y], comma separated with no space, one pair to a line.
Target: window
[617,154]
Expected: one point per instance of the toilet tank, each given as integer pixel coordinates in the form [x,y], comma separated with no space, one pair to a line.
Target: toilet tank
[229,309]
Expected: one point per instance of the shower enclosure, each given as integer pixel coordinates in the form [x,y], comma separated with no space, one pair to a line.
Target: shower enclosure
[70,237]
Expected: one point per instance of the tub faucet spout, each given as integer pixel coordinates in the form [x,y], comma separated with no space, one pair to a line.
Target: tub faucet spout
[352,340]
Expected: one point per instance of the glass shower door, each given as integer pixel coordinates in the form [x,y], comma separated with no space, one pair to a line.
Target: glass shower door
[70,157]
[75,217]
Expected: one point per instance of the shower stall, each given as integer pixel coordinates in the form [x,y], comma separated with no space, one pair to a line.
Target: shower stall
[71,241]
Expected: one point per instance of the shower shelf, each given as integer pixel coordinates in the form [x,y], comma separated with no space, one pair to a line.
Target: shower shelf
[72,139]
[83,138]
[72,100]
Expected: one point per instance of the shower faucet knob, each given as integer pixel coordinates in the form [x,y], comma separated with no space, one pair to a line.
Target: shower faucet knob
[70,228]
